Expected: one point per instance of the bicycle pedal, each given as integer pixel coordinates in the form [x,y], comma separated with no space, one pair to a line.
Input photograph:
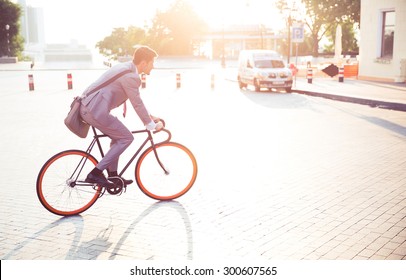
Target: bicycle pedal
[118,181]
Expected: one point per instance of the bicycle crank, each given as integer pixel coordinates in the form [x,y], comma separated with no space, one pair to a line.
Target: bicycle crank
[118,188]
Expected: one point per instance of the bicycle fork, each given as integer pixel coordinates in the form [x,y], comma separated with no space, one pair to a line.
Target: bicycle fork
[160,163]
[166,171]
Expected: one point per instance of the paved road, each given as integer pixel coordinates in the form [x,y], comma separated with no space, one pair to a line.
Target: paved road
[281,177]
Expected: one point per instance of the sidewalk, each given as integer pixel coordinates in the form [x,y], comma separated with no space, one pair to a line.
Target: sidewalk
[384,95]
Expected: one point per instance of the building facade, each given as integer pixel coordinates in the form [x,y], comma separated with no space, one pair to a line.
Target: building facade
[33,32]
[383,41]
[32,24]
[230,40]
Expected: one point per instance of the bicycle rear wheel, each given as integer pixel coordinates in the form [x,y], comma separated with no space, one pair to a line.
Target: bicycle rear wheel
[60,184]
[155,182]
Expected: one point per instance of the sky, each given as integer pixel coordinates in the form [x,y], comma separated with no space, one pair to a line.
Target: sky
[89,21]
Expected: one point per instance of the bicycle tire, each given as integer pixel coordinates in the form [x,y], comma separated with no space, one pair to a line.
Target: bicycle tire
[56,183]
[153,181]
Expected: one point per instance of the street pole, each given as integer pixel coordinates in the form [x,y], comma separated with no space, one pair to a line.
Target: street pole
[289,25]
[262,36]
[8,41]
[297,46]
[223,59]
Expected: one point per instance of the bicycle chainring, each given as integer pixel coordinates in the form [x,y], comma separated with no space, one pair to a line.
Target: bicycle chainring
[118,188]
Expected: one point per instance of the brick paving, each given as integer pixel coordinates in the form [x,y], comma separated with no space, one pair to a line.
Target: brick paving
[281,177]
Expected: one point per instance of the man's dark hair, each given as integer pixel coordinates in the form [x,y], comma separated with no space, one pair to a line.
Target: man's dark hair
[143,53]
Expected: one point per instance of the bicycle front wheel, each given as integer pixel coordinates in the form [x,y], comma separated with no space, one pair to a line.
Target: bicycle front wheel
[167,174]
[60,184]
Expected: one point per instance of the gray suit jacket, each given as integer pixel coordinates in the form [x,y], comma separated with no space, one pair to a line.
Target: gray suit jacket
[116,93]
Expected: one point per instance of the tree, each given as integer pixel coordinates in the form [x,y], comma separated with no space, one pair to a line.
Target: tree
[159,36]
[121,42]
[172,32]
[11,42]
[322,15]
[349,43]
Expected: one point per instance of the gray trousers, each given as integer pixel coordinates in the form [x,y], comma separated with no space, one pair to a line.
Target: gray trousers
[110,125]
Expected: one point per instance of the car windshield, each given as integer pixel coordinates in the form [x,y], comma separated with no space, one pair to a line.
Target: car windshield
[269,64]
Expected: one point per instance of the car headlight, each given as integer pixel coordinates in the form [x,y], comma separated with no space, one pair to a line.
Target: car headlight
[272,75]
[262,75]
[286,75]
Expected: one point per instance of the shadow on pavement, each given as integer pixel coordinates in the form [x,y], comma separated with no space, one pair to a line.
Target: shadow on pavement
[90,250]
[277,99]
[387,125]
[159,205]
[77,221]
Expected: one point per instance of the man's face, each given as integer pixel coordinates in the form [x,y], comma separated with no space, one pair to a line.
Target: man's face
[148,66]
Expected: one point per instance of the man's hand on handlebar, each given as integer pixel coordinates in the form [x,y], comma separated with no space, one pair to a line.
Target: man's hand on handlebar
[156,124]
[159,126]
[160,123]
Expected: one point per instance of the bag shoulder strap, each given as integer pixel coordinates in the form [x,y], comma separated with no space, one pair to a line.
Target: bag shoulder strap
[107,82]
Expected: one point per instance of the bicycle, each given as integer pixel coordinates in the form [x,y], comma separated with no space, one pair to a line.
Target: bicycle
[164,171]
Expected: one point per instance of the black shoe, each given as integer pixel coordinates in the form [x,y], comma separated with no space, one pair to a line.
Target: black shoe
[118,180]
[99,180]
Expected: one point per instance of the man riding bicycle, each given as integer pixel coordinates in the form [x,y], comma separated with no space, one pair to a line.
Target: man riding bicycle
[96,107]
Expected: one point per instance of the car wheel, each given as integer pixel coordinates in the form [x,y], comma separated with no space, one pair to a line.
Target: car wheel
[288,89]
[241,84]
[256,85]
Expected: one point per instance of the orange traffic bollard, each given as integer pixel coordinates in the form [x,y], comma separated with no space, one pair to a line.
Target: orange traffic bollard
[309,75]
[143,81]
[31,82]
[341,75]
[177,80]
[70,81]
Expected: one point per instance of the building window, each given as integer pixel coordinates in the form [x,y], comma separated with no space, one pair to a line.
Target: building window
[388,33]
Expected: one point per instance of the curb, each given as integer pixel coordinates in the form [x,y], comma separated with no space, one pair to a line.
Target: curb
[369,102]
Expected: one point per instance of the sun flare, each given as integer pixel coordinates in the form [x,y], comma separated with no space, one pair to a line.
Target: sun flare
[90,21]
[239,12]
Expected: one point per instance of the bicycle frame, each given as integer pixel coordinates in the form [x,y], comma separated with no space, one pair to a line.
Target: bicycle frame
[63,188]
[96,140]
